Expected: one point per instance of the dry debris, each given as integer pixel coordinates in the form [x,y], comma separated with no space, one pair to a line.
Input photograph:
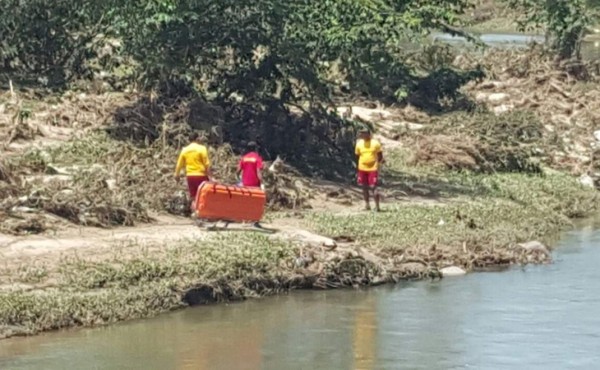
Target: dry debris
[563,96]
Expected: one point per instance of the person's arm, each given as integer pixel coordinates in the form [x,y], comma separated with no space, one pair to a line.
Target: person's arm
[380,158]
[239,170]
[259,168]
[357,154]
[180,166]
[206,162]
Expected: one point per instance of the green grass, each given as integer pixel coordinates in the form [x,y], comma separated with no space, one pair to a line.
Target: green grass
[94,293]
[504,209]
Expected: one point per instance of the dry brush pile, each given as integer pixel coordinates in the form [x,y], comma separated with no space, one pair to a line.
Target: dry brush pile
[95,181]
[117,166]
[481,142]
[563,96]
[529,111]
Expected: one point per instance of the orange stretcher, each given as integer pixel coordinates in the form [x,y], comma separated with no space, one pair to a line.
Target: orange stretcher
[218,202]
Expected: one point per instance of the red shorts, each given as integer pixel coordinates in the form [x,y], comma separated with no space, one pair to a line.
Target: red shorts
[193,183]
[367,178]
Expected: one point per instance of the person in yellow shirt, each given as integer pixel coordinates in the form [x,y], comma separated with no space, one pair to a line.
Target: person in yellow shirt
[194,160]
[369,155]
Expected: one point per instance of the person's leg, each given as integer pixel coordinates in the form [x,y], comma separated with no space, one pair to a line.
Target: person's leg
[363,181]
[366,196]
[194,182]
[373,182]
[377,197]
[192,190]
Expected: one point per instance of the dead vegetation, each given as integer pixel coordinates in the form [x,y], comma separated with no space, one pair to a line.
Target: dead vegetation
[530,112]
[564,97]
[14,124]
[483,142]
[96,181]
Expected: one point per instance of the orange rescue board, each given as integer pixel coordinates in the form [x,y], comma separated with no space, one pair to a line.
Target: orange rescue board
[217,202]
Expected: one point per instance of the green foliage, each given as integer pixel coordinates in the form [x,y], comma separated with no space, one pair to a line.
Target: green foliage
[566,21]
[256,49]
[48,41]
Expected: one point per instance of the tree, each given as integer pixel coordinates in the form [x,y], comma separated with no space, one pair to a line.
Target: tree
[48,41]
[253,48]
[277,48]
[566,22]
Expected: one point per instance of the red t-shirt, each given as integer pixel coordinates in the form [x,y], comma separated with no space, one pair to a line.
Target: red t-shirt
[250,164]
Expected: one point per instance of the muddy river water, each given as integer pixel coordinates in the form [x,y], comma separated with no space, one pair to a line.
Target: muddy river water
[537,317]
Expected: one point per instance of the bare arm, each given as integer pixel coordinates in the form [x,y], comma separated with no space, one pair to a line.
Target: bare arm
[206,162]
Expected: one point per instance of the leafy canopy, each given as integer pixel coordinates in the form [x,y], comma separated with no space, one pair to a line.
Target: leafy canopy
[254,48]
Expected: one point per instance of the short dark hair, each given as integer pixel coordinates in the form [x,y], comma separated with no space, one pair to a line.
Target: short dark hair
[251,146]
[364,131]
[195,136]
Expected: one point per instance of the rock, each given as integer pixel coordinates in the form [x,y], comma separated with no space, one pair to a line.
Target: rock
[441,222]
[497,97]
[330,244]
[503,109]
[481,97]
[23,210]
[597,135]
[549,128]
[414,126]
[534,246]
[579,148]
[55,170]
[56,179]
[111,184]
[452,271]
[587,181]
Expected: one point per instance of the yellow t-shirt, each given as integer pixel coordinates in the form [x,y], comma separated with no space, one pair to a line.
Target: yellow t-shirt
[194,158]
[367,152]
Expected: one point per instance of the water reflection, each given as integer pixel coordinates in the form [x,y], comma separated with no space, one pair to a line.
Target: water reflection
[365,336]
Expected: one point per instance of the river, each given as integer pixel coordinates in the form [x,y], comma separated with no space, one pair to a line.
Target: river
[590,49]
[536,317]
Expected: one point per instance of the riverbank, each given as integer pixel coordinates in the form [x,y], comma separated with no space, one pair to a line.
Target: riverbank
[87,241]
[480,223]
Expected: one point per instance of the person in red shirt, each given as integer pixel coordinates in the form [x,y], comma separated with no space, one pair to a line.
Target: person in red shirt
[250,167]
